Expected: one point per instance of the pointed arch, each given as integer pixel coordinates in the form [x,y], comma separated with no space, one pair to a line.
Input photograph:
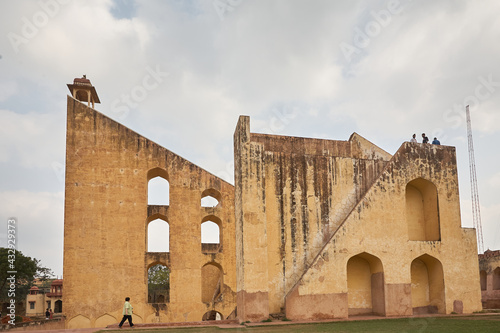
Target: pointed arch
[483,277]
[211,282]
[212,315]
[79,321]
[422,211]
[158,234]
[158,283]
[427,285]
[158,187]
[105,320]
[365,285]
[496,279]
[210,198]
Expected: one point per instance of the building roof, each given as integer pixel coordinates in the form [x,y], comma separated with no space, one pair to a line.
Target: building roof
[57,282]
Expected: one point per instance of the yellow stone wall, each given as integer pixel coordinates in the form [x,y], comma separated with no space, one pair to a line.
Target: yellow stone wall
[323,202]
[106,223]
[378,226]
[314,228]
[489,266]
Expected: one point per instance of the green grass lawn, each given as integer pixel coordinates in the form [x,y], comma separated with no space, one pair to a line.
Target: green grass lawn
[473,323]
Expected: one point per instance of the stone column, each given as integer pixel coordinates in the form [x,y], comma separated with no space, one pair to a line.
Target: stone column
[251,238]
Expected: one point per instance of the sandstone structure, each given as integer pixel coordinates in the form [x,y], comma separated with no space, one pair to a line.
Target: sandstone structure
[489,266]
[312,229]
[106,220]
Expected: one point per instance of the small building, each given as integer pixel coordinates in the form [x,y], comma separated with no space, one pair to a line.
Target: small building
[489,271]
[40,298]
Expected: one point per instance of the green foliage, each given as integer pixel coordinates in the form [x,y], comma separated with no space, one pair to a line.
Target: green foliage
[158,284]
[158,275]
[286,319]
[267,320]
[27,269]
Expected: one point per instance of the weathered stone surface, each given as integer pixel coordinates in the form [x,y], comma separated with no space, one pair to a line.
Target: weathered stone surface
[489,266]
[316,228]
[106,221]
[319,203]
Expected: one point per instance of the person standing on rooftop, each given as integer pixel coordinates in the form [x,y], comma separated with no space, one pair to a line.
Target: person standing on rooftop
[425,139]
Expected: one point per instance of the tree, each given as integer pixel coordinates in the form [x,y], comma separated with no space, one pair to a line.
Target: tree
[158,284]
[158,275]
[26,270]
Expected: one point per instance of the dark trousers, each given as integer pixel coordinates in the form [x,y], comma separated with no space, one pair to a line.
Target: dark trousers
[125,317]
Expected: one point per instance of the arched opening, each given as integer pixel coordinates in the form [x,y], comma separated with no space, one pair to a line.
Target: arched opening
[496,279]
[211,283]
[158,187]
[365,285]
[158,283]
[209,201]
[158,236]
[58,306]
[212,315]
[210,198]
[427,285]
[422,211]
[483,278]
[105,320]
[211,234]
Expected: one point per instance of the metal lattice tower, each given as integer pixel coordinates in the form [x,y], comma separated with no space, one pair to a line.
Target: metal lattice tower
[476,210]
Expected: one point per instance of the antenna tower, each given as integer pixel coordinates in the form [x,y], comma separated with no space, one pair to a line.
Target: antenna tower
[476,210]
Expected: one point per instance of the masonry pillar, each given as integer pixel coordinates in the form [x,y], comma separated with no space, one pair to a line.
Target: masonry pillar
[251,239]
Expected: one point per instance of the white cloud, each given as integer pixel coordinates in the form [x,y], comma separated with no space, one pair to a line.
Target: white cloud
[7,89]
[39,224]
[264,57]
[32,140]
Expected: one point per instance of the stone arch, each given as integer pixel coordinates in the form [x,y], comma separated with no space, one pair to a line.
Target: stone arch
[427,285]
[158,187]
[136,319]
[212,315]
[158,282]
[496,279]
[483,277]
[211,282]
[365,285]
[211,198]
[58,306]
[211,234]
[79,321]
[105,320]
[158,234]
[422,211]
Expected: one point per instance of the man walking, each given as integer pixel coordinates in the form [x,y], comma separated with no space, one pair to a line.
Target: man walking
[127,313]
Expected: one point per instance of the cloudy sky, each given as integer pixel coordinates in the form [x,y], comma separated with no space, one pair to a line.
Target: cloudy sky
[181,72]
